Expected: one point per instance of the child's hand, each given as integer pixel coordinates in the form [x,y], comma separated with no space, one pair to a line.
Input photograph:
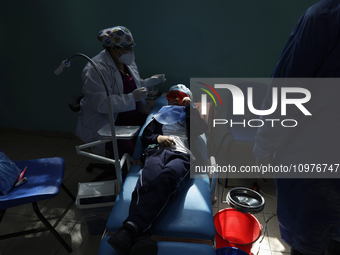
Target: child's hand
[186,101]
[165,141]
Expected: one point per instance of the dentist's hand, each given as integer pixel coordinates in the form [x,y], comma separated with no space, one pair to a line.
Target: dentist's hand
[139,94]
[155,79]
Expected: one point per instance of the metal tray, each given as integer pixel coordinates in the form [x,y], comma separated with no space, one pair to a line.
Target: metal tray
[245,200]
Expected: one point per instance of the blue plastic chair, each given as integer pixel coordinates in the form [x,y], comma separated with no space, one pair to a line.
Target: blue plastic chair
[44,179]
[188,214]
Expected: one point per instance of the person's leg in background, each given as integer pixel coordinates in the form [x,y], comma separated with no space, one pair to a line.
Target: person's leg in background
[333,246]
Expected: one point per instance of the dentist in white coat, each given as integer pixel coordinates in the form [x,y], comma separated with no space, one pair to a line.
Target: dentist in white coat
[128,90]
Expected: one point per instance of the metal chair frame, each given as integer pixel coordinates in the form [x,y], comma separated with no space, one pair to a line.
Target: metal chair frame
[33,196]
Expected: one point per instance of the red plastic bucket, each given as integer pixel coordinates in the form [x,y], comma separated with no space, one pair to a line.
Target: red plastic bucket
[236,229]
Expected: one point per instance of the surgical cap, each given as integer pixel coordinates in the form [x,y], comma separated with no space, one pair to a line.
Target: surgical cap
[116,36]
[173,113]
[182,88]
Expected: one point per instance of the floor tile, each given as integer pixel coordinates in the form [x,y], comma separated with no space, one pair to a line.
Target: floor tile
[12,223]
[32,139]
[270,200]
[88,160]
[69,169]
[4,136]
[262,252]
[275,241]
[262,243]
[15,150]
[215,210]
[62,208]
[81,241]
[25,209]
[80,175]
[43,243]
[73,142]
[54,141]
[3,144]
[41,151]
[70,156]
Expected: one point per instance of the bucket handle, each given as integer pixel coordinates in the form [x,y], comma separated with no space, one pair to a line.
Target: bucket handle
[242,244]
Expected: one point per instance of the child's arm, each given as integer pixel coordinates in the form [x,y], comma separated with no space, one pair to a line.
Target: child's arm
[165,141]
[151,132]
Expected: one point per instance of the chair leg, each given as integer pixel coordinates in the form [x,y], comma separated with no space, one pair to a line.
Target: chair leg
[20,233]
[50,227]
[68,192]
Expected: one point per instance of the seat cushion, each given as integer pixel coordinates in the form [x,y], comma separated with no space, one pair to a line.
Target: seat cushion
[188,214]
[44,178]
[166,248]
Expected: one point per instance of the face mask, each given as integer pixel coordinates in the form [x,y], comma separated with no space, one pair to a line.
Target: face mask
[127,58]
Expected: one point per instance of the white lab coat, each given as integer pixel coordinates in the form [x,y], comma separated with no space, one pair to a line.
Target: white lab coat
[94,111]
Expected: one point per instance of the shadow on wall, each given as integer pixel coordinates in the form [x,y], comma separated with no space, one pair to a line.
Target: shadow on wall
[183,40]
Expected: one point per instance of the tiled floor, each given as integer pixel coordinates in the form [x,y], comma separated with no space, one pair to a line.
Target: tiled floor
[63,214]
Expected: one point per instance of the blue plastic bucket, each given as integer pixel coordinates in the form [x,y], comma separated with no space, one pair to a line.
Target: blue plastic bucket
[230,251]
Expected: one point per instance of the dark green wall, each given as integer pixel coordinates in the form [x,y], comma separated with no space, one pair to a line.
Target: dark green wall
[183,39]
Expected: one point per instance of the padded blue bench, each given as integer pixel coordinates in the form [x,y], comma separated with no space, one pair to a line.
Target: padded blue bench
[166,248]
[188,214]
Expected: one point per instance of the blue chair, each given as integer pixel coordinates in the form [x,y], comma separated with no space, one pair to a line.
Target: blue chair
[188,214]
[44,179]
[238,133]
[166,248]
